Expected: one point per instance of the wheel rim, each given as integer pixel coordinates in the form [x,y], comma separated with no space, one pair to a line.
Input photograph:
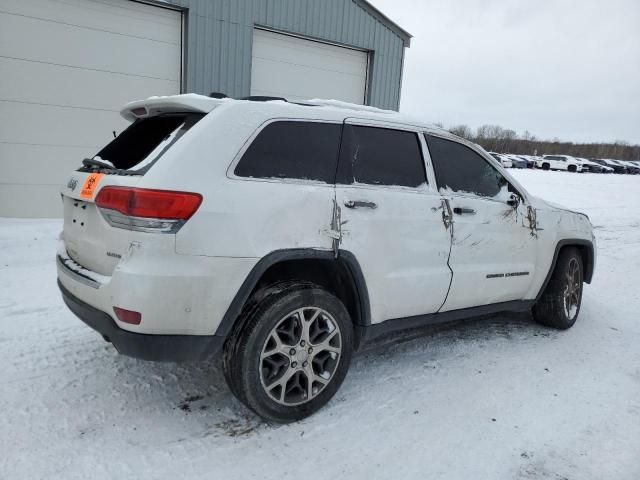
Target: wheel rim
[300,356]
[573,287]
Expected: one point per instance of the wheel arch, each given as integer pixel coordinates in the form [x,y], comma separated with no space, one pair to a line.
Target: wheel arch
[342,276]
[585,247]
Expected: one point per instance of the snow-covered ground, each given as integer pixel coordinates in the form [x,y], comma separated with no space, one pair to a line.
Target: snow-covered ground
[500,398]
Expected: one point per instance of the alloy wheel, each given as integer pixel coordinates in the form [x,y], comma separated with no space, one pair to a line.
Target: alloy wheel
[300,356]
[572,290]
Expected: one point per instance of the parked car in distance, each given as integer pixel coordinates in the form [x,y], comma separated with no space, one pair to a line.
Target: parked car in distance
[605,168]
[559,162]
[589,166]
[635,162]
[516,161]
[617,168]
[504,160]
[280,238]
[631,167]
[531,161]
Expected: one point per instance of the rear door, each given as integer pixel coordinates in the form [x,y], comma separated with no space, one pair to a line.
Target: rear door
[493,253]
[392,219]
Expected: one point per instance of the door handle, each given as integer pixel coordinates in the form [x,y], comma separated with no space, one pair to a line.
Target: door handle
[464,211]
[360,204]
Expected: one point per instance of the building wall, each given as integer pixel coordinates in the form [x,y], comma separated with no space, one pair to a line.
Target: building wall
[220,32]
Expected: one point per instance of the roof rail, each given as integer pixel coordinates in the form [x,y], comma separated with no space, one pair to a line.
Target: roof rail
[348,106]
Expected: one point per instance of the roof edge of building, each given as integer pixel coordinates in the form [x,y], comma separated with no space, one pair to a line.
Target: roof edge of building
[401,32]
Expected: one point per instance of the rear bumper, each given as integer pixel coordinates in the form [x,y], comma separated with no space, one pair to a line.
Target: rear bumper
[165,348]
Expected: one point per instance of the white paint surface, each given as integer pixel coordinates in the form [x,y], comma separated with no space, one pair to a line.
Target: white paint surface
[66,68]
[500,399]
[299,69]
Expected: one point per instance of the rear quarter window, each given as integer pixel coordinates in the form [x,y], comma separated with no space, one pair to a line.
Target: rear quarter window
[293,150]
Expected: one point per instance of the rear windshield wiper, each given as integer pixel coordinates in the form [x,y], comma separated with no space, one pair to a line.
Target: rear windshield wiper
[90,162]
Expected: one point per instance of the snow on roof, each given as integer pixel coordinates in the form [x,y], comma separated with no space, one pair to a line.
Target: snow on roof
[204,104]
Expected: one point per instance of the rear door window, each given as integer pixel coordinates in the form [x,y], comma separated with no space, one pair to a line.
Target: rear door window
[380,156]
[146,140]
[460,169]
[293,150]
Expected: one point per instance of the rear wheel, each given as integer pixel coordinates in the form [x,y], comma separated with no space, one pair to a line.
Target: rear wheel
[292,354]
[559,305]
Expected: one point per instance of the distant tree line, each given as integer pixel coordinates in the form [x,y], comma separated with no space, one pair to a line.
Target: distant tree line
[494,138]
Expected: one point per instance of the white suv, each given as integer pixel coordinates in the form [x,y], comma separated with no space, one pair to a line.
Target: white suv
[559,162]
[284,237]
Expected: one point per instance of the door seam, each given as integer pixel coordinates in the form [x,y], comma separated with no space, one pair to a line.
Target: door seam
[450,228]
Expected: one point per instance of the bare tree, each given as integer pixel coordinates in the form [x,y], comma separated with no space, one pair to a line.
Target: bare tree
[498,139]
[462,131]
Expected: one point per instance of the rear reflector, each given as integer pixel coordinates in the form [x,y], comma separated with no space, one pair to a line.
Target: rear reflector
[128,316]
[147,203]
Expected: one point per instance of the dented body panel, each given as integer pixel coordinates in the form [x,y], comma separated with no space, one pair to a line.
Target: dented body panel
[493,254]
[554,225]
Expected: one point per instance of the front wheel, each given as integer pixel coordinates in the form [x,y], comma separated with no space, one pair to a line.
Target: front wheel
[559,305]
[292,354]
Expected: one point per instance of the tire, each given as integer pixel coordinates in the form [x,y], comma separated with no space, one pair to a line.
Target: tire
[292,352]
[559,305]
[545,166]
[572,168]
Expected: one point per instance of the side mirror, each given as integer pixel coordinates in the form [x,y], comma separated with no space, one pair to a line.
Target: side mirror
[514,200]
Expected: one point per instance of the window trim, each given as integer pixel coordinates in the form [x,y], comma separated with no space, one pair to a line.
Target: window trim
[418,131]
[295,181]
[487,158]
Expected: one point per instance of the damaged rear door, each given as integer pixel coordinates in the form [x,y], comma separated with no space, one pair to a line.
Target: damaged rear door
[391,218]
[493,252]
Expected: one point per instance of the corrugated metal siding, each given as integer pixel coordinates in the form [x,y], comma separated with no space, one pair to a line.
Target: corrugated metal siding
[220,32]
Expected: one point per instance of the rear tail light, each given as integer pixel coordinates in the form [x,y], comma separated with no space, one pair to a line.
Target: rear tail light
[128,316]
[147,210]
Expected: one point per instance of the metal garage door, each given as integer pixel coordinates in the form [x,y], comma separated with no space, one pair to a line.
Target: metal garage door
[299,69]
[66,68]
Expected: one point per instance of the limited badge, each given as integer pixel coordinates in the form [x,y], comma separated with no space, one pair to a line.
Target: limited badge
[90,185]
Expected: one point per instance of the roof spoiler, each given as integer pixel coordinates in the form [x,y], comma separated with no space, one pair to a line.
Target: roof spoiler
[153,106]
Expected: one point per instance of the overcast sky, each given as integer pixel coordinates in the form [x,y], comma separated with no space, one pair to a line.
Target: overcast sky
[558,68]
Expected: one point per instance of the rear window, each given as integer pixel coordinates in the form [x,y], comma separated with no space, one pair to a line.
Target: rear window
[146,140]
[296,150]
